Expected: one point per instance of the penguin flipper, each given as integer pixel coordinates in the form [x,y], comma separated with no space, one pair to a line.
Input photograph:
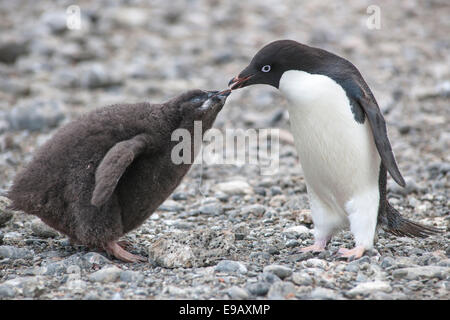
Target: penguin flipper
[114,164]
[379,131]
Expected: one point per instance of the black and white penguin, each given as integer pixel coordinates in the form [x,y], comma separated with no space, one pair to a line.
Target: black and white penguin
[103,174]
[341,140]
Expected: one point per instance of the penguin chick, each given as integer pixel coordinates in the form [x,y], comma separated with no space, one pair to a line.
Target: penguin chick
[105,173]
[341,140]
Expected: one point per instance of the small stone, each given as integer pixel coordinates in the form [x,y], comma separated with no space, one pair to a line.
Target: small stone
[323,294]
[427,272]
[177,196]
[94,258]
[237,293]
[36,115]
[7,291]
[222,196]
[279,270]
[277,201]
[10,51]
[76,285]
[73,269]
[169,253]
[281,290]
[259,288]
[96,75]
[53,269]
[105,275]
[275,190]
[42,230]
[5,214]
[171,206]
[270,278]
[229,266]
[212,209]
[367,288]
[131,276]
[260,191]
[298,230]
[315,263]
[15,253]
[352,267]
[292,243]
[255,209]
[387,262]
[236,187]
[273,251]
[302,279]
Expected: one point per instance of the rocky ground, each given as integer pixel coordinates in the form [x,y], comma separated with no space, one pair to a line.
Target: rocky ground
[227,231]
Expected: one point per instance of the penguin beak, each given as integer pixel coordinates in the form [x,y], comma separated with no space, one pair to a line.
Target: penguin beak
[215,98]
[239,82]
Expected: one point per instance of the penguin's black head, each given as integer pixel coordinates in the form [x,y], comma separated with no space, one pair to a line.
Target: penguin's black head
[269,63]
[199,105]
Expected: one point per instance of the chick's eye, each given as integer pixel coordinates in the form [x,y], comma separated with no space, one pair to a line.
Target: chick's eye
[266,68]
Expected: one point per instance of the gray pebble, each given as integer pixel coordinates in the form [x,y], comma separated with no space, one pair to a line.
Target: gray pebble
[302,279]
[105,275]
[275,190]
[268,277]
[94,258]
[171,206]
[237,293]
[53,269]
[36,115]
[281,290]
[255,209]
[96,75]
[259,288]
[213,209]
[7,291]
[15,253]
[10,51]
[387,262]
[279,270]
[42,230]
[320,293]
[367,288]
[131,276]
[177,196]
[426,272]
[229,266]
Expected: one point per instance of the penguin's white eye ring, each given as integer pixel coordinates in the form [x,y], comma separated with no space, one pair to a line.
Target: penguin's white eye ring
[266,68]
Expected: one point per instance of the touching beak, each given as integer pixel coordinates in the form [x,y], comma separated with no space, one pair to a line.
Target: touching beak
[237,82]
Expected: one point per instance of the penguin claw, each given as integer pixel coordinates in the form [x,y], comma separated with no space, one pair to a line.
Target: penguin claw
[114,249]
[355,253]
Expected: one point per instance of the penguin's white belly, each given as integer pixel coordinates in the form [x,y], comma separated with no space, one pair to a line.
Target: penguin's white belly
[338,155]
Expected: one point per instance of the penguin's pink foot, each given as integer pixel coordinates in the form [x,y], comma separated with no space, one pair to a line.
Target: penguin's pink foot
[124,243]
[114,249]
[355,253]
[318,246]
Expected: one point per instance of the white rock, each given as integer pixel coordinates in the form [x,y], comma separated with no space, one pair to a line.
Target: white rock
[370,287]
[237,293]
[414,273]
[323,294]
[315,263]
[297,229]
[107,274]
[278,270]
[235,187]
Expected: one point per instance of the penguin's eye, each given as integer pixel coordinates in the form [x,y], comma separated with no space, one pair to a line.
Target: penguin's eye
[266,68]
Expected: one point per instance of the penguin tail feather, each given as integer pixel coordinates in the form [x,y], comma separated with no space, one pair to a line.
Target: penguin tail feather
[395,224]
